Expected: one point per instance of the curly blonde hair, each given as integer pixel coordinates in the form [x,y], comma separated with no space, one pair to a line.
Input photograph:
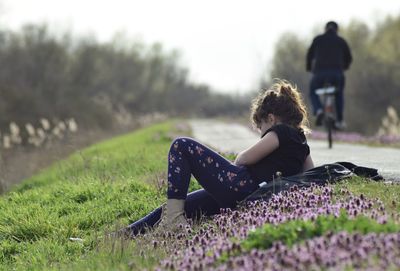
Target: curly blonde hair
[284,101]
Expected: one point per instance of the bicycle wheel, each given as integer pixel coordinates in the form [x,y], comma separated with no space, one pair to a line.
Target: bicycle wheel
[329,128]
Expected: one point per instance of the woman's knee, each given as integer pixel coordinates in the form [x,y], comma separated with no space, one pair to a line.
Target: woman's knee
[180,142]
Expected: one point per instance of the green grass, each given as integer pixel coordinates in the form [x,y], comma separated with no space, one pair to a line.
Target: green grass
[98,190]
[90,193]
[296,231]
[389,194]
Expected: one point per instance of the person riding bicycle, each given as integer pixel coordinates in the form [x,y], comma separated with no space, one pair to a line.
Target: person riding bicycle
[327,58]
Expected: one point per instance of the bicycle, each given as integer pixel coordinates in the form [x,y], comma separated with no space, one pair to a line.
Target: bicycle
[327,97]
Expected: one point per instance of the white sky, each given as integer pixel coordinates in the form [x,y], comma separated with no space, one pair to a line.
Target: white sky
[225,43]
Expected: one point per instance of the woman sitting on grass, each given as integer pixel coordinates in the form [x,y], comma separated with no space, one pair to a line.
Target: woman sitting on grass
[280,115]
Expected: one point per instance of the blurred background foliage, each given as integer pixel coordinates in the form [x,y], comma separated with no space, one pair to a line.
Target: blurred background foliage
[373,80]
[56,77]
[59,76]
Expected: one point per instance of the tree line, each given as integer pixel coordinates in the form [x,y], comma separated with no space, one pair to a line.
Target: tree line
[57,77]
[60,77]
[372,83]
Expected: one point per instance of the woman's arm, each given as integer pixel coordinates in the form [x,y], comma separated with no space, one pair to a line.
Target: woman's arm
[308,163]
[255,153]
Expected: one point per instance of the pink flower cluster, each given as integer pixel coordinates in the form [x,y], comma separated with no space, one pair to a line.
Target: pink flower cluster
[331,252]
[218,247]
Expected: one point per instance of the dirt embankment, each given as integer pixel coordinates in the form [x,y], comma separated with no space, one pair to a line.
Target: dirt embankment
[19,163]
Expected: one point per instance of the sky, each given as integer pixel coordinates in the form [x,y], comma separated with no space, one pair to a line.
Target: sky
[227,44]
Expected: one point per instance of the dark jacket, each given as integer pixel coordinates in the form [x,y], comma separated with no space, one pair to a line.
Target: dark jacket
[328,52]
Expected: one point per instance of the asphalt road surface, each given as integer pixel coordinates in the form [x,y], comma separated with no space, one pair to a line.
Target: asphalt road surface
[233,137]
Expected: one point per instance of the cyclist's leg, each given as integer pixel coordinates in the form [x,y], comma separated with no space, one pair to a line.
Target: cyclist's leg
[317,81]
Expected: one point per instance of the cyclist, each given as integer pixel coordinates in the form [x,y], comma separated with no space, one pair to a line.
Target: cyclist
[327,58]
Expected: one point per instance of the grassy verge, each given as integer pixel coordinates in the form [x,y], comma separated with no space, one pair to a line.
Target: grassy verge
[109,184]
[98,190]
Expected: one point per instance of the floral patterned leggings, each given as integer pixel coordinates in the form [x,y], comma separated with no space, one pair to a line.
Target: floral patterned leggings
[224,183]
[227,183]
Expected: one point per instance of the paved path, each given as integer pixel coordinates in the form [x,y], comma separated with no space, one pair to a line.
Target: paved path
[232,137]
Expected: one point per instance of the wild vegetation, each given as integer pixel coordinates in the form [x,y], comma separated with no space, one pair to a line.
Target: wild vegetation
[60,218]
[99,84]
[37,136]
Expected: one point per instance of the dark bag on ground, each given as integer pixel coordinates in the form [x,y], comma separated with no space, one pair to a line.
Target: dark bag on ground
[329,173]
